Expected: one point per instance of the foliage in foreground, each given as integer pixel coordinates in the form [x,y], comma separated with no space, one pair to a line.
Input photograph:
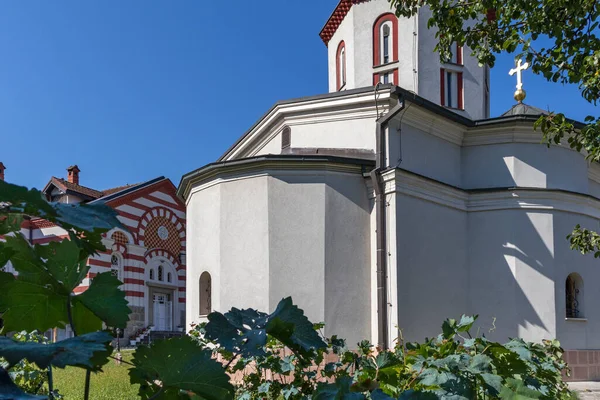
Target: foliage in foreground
[452,365]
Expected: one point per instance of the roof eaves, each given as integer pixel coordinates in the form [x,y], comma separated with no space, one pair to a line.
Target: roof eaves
[128,190]
[185,179]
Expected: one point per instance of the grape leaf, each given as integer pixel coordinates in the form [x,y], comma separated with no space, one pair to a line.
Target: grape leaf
[239,331]
[340,390]
[10,391]
[77,351]
[65,262]
[30,306]
[245,331]
[106,300]
[289,325]
[179,364]
[88,217]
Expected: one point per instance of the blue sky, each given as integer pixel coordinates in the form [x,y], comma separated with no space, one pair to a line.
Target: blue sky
[135,89]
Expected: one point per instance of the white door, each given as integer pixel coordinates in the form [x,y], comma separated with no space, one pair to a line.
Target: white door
[162,312]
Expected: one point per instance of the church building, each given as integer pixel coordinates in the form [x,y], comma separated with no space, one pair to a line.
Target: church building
[395,201]
[148,256]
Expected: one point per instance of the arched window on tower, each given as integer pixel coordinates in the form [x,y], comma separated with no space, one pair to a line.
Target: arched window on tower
[385,49]
[169,277]
[574,296]
[160,273]
[341,66]
[205,294]
[116,266]
[151,273]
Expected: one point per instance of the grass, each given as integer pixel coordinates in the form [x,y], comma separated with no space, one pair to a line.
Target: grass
[112,383]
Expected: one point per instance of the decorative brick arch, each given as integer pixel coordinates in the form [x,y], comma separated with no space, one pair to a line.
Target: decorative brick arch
[174,225]
[158,253]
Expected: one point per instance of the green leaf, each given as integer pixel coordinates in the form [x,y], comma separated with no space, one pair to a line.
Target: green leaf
[77,351]
[340,390]
[239,331]
[480,363]
[466,323]
[418,395]
[106,300]
[88,217]
[10,391]
[493,383]
[180,364]
[516,389]
[289,325]
[245,331]
[64,262]
[30,306]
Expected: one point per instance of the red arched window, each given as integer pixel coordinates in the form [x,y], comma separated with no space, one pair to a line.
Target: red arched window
[385,49]
[385,40]
[341,65]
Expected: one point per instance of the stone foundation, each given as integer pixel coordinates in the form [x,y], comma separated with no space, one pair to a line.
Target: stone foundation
[584,364]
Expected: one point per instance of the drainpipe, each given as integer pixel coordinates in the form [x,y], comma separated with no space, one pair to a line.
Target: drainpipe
[380,217]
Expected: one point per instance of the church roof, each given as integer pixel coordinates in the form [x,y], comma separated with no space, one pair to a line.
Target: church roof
[524,109]
[336,19]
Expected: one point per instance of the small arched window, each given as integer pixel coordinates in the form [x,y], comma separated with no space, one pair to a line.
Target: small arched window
[385,40]
[151,274]
[574,296]
[341,66]
[116,266]
[205,294]
[160,273]
[169,277]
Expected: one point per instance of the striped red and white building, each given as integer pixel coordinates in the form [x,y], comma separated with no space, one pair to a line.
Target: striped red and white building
[148,257]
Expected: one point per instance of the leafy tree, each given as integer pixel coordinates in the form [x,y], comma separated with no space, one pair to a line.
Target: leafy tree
[558,38]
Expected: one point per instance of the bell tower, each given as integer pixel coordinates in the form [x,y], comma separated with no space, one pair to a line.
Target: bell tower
[367,44]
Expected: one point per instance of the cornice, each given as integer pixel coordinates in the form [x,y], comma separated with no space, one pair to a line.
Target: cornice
[493,199]
[431,123]
[268,165]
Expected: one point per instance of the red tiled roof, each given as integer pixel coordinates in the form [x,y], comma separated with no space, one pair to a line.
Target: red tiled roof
[336,19]
[66,185]
[40,223]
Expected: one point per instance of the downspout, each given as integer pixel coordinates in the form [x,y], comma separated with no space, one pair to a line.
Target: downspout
[380,217]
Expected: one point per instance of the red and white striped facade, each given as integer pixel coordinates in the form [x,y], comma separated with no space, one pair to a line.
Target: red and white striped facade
[148,257]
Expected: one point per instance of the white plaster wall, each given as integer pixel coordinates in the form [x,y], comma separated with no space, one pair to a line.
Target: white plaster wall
[572,334]
[244,244]
[203,229]
[432,275]
[524,165]
[344,32]
[347,133]
[511,273]
[429,72]
[273,146]
[365,15]
[425,154]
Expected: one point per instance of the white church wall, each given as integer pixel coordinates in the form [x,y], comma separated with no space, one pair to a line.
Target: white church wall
[347,258]
[297,242]
[343,133]
[273,146]
[573,334]
[244,244]
[425,154]
[524,165]
[429,72]
[344,32]
[432,275]
[203,232]
[593,188]
[365,16]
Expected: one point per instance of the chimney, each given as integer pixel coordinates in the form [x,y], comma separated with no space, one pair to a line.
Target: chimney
[2,168]
[73,174]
